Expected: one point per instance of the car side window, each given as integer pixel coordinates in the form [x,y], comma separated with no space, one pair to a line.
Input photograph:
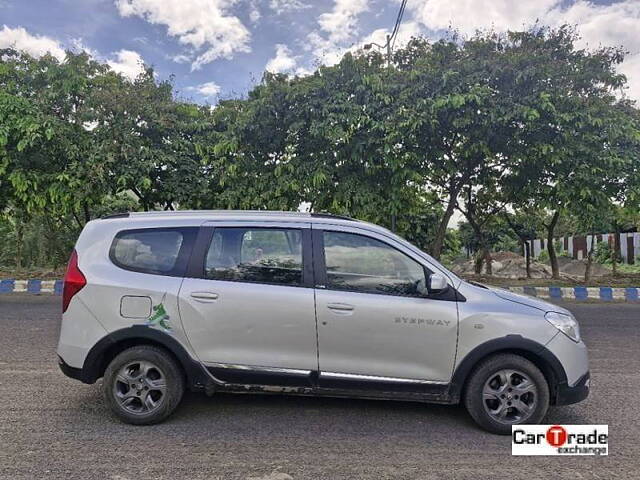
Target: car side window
[147,251]
[257,255]
[363,264]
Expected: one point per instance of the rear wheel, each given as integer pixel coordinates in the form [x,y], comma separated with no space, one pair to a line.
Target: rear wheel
[506,390]
[143,385]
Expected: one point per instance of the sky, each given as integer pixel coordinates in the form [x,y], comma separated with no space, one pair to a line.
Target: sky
[218,49]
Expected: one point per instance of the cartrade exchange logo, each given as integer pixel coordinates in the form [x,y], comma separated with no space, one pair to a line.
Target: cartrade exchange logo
[560,440]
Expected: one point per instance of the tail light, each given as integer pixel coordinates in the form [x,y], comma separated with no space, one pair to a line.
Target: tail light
[74,280]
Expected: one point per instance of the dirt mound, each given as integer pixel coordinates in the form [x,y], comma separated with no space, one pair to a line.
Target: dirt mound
[502,256]
[506,265]
[563,261]
[578,267]
[512,265]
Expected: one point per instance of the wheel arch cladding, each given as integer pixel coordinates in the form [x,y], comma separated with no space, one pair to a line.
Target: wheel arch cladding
[103,352]
[535,352]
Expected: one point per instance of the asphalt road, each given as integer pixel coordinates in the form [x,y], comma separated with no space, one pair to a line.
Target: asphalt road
[54,427]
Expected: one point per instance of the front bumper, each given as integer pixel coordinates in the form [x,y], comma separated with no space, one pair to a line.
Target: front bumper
[566,395]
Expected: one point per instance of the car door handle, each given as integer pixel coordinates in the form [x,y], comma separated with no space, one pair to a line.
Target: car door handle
[204,296]
[340,307]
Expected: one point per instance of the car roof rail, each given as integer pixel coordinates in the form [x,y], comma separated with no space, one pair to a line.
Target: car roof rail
[331,215]
[116,215]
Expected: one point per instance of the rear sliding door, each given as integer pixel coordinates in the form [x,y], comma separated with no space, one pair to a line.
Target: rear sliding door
[247,306]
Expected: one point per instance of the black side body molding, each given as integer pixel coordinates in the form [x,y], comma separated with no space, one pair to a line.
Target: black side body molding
[234,376]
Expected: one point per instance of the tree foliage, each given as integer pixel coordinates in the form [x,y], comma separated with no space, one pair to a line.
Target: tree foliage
[501,127]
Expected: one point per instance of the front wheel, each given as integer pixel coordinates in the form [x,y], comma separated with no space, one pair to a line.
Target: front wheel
[506,390]
[143,385]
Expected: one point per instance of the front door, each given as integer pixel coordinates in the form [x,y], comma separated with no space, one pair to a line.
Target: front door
[250,316]
[374,325]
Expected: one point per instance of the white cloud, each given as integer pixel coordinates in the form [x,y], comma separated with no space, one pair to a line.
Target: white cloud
[208,89]
[254,14]
[203,25]
[467,16]
[128,63]
[283,62]
[34,45]
[285,6]
[342,22]
[615,24]
[181,58]
[337,30]
[330,53]
[324,50]
[78,45]
[631,68]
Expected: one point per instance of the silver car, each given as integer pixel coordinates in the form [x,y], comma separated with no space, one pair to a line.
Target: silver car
[302,304]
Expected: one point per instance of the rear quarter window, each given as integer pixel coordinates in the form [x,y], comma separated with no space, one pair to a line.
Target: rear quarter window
[161,251]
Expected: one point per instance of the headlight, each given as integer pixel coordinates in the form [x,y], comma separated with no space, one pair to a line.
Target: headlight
[565,323]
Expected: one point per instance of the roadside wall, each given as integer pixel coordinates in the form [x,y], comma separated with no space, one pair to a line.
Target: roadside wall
[577,247]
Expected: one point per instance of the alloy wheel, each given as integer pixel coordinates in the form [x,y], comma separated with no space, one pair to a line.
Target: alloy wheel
[509,396]
[140,387]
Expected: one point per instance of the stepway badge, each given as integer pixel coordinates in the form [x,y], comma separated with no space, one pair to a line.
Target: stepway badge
[560,440]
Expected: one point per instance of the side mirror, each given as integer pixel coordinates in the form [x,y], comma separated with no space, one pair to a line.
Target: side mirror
[437,283]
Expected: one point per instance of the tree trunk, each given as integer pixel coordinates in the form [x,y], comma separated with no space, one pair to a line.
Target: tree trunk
[479,261]
[524,243]
[527,258]
[553,258]
[87,213]
[19,240]
[489,261]
[441,232]
[587,270]
[616,249]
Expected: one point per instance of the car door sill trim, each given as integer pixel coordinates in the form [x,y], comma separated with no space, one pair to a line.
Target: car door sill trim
[256,368]
[374,378]
[374,383]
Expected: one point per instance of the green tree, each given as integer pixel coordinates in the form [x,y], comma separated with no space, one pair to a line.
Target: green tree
[574,135]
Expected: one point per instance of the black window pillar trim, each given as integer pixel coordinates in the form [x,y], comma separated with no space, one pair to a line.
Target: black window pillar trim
[319,265]
[195,268]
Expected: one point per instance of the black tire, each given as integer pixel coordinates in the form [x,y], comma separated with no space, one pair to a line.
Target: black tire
[489,371]
[161,368]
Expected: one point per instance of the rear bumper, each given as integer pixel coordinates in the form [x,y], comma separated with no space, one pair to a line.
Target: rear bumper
[72,372]
[567,395]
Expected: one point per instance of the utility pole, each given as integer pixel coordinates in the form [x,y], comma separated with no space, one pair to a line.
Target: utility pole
[388,50]
[391,40]
[393,215]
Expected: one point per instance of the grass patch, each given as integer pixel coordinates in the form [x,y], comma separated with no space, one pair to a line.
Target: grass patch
[41,273]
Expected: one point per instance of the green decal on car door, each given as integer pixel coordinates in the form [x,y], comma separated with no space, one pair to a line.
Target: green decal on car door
[160,316]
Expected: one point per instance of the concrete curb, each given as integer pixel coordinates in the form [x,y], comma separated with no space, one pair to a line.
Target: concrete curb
[604,294]
[9,285]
